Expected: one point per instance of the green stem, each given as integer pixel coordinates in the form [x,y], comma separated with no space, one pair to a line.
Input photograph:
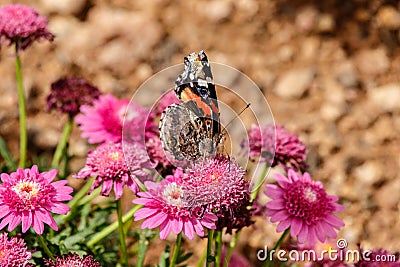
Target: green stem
[177,247]
[259,183]
[210,258]
[23,139]
[62,144]
[46,249]
[112,227]
[218,248]
[121,233]
[232,245]
[268,262]
[95,193]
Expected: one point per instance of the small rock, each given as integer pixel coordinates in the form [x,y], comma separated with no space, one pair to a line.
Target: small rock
[368,173]
[309,48]
[326,23]
[217,11]
[294,83]
[372,61]
[332,111]
[388,17]
[386,97]
[306,17]
[346,74]
[64,7]
[388,196]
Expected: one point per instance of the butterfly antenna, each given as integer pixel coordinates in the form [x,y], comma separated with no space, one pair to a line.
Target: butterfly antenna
[240,113]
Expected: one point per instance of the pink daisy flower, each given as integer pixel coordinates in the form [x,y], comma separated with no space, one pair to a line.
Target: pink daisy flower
[13,252]
[273,144]
[156,151]
[28,196]
[22,25]
[165,206]
[303,206]
[73,260]
[219,183]
[103,122]
[68,94]
[108,164]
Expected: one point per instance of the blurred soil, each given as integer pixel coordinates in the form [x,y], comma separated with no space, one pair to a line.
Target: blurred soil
[329,70]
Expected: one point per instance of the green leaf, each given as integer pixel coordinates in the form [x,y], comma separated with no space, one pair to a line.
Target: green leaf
[5,153]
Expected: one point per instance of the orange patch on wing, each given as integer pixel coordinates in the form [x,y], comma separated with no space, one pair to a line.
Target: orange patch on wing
[188,95]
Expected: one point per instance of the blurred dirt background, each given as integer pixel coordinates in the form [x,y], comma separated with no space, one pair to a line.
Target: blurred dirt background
[329,69]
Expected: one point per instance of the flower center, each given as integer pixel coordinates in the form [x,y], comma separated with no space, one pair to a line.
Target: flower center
[26,189]
[172,194]
[4,252]
[310,195]
[114,156]
[307,202]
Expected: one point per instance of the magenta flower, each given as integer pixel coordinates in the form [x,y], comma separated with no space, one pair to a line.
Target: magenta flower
[275,145]
[164,206]
[28,196]
[22,25]
[13,252]
[68,94]
[103,122]
[304,206]
[156,151]
[219,183]
[108,164]
[72,260]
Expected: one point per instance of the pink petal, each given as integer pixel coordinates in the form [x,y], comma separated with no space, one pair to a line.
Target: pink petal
[282,180]
[276,204]
[5,177]
[273,191]
[106,188]
[165,229]
[118,189]
[144,213]
[59,208]
[279,216]
[154,221]
[303,234]
[50,175]
[26,221]
[198,227]
[319,231]
[4,211]
[297,225]
[334,221]
[141,201]
[16,220]
[38,225]
[177,225]
[283,225]
[188,229]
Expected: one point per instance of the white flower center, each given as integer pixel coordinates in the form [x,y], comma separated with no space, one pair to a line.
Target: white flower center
[173,194]
[26,189]
[310,194]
